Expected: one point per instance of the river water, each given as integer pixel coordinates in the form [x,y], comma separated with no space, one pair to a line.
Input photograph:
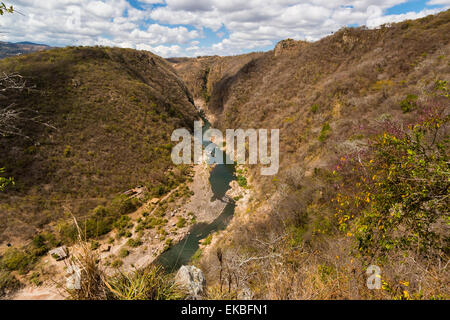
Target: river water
[181,253]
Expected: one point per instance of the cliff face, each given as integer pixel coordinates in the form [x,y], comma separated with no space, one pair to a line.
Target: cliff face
[209,77]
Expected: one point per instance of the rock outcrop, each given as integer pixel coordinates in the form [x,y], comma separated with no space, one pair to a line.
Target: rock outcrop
[192,279]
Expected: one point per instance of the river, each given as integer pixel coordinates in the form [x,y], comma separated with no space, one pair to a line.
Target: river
[181,253]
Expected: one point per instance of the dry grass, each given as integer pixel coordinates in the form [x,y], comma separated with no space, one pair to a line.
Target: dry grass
[149,283]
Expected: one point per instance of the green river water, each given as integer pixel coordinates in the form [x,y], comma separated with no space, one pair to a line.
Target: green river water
[181,253]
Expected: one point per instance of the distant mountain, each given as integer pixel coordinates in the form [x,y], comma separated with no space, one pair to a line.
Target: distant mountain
[9,49]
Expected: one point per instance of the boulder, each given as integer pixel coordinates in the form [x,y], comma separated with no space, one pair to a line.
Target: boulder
[59,253]
[192,279]
[138,192]
[105,248]
[235,190]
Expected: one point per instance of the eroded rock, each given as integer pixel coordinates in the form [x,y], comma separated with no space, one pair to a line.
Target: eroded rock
[192,279]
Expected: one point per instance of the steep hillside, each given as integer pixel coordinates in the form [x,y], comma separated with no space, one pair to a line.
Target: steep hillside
[208,77]
[330,99]
[111,114]
[347,80]
[8,49]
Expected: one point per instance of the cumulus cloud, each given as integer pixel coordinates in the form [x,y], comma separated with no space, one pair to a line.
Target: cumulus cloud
[438,2]
[86,22]
[178,27]
[253,24]
[379,20]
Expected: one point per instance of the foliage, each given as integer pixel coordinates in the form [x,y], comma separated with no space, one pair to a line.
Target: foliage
[123,253]
[207,240]
[4,9]
[43,242]
[110,137]
[4,182]
[325,132]
[134,243]
[124,205]
[397,196]
[17,260]
[8,283]
[242,181]
[147,284]
[409,103]
[181,222]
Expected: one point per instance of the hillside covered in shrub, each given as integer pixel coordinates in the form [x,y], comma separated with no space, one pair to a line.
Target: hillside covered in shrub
[108,116]
[363,180]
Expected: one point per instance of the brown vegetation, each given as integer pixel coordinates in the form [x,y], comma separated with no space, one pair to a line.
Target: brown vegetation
[329,99]
[113,111]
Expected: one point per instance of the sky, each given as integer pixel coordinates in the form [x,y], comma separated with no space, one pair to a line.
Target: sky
[175,28]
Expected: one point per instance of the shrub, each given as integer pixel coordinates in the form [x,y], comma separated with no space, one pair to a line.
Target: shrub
[124,253]
[197,255]
[95,245]
[242,181]
[325,132]
[146,284]
[134,243]
[124,205]
[409,103]
[43,242]
[152,222]
[68,151]
[4,182]
[181,222]
[325,272]
[398,193]
[19,260]
[168,244]
[8,283]
[35,279]
[97,226]
[123,223]
[207,240]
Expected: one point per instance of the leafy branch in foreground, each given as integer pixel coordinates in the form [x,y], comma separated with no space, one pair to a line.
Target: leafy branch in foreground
[396,195]
[4,9]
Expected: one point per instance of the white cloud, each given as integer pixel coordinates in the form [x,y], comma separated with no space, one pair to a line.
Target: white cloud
[87,22]
[250,24]
[164,51]
[438,2]
[379,20]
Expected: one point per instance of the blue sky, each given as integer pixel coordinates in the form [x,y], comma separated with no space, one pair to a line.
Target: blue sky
[198,27]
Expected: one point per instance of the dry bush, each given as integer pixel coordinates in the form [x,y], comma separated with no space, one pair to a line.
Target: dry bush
[149,283]
[93,285]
